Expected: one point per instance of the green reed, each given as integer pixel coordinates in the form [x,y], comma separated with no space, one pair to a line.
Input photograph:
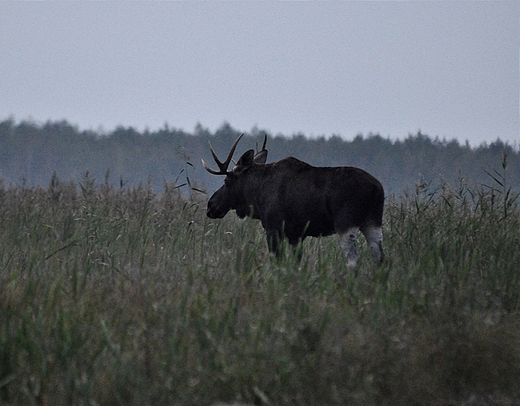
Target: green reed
[125,296]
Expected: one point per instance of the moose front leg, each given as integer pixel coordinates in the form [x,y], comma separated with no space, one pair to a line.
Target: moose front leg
[275,242]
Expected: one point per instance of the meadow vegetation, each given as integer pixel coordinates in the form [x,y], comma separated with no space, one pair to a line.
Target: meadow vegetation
[122,296]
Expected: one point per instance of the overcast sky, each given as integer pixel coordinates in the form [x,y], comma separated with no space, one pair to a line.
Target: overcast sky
[449,69]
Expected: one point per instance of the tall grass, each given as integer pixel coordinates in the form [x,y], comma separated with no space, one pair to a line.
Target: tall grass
[116,296]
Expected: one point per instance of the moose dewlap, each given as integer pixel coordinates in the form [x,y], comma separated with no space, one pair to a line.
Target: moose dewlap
[295,200]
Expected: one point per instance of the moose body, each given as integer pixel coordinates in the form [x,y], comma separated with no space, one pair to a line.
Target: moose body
[295,200]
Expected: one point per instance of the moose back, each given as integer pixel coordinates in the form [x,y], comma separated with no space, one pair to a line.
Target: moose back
[295,200]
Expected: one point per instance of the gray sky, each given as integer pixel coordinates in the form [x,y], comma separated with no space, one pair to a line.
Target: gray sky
[450,69]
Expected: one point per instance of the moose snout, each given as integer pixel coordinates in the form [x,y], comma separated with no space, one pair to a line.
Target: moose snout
[213,212]
[210,213]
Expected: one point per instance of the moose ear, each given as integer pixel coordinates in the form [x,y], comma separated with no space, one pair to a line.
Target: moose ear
[261,157]
[246,160]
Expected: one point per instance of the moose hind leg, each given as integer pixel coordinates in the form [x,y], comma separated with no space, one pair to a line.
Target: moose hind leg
[374,236]
[348,244]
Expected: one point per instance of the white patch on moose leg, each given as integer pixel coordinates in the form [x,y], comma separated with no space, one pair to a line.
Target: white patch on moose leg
[374,236]
[348,244]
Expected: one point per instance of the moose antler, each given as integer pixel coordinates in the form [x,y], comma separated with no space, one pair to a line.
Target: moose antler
[223,166]
[263,146]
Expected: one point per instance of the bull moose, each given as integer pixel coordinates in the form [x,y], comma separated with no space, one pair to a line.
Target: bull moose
[295,200]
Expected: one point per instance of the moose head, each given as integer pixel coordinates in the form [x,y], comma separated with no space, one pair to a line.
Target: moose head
[230,196]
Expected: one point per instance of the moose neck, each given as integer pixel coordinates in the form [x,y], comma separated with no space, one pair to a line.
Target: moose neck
[252,183]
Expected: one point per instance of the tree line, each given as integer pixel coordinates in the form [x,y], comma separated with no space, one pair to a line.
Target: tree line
[31,154]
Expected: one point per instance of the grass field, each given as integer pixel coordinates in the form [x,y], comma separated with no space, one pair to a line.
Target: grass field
[125,297]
